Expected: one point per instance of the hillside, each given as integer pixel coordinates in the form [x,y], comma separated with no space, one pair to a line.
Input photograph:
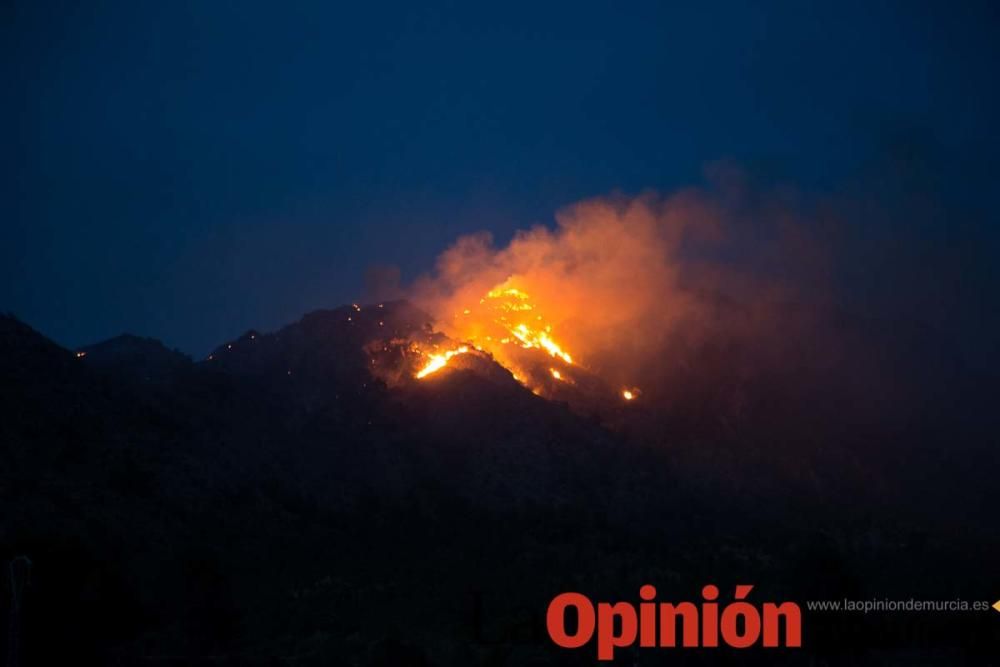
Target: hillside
[294,499]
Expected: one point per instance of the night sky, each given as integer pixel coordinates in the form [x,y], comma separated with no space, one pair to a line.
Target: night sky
[190,170]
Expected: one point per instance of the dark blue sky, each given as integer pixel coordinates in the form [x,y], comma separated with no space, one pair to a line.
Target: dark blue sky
[191,170]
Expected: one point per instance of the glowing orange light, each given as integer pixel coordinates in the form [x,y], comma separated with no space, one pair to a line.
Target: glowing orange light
[439,361]
[504,321]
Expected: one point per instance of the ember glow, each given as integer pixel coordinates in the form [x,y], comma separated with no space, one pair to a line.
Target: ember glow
[509,327]
[437,361]
[502,323]
[508,317]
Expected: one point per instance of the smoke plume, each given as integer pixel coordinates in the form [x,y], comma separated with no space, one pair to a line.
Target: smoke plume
[642,289]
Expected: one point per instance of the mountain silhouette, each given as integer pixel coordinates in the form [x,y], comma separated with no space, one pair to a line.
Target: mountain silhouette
[296,497]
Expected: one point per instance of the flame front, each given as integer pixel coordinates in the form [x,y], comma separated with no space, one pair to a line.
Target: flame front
[505,316]
[438,361]
[508,325]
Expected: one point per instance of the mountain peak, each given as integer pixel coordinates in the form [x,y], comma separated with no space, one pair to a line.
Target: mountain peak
[139,358]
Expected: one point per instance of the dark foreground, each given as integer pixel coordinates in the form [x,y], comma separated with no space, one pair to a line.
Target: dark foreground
[280,505]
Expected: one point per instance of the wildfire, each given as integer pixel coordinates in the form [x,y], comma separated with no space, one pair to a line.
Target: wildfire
[438,361]
[507,324]
[630,393]
[506,301]
[505,316]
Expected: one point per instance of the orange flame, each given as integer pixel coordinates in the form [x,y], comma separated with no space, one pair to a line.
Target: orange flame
[438,361]
[504,316]
[504,321]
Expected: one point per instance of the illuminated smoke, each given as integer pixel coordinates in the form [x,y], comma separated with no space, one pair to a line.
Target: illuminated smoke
[659,297]
[600,290]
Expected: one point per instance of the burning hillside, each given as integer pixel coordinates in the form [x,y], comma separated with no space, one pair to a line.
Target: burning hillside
[682,302]
[575,309]
[508,326]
